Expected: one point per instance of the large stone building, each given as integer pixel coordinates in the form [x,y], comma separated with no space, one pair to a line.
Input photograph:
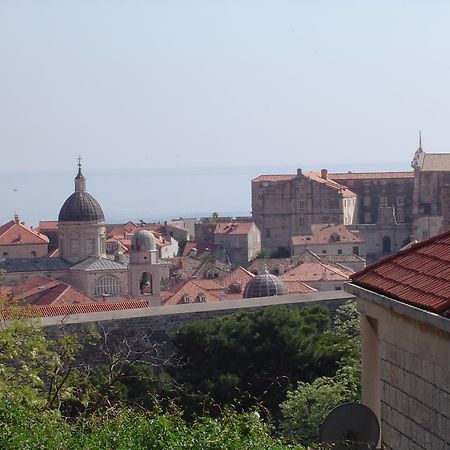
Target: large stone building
[404,305]
[287,205]
[389,209]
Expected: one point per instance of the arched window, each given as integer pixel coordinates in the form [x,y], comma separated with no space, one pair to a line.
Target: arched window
[386,244]
[146,284]
[107,285]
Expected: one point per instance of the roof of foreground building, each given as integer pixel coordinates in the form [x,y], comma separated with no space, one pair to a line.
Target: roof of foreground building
[418,275]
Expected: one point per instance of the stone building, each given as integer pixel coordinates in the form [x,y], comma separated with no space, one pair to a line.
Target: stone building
[431,175]
[82,260]
[241,240]
[329,239]
[287,205]
[404,305]
[389,209]
[19,241]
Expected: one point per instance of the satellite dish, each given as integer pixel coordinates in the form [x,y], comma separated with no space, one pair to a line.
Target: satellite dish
[351,426]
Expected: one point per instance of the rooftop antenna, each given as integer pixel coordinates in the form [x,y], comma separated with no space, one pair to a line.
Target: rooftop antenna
[420,140]
[351,426]
[79,161]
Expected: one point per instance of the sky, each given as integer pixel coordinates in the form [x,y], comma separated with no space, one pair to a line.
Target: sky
[239,86]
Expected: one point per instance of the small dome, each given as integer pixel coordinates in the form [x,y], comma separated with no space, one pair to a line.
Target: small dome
[81,207]
[143,241]
[264,285]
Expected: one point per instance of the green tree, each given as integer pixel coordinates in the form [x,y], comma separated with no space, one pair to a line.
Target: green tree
[254,358]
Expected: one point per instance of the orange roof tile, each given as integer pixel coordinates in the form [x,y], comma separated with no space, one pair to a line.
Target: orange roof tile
[331,183]
[15,233]
[199,246]
[298,287]
[327,234]
[194,289]
[48,225]
[273,178]
[370,175]
[309,271]
[65,310]
[239,275]
[418,275]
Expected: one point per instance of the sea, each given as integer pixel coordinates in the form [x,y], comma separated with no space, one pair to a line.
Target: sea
[149,194]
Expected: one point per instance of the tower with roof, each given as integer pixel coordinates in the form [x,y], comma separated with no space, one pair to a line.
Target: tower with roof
[144,270]
[81,224]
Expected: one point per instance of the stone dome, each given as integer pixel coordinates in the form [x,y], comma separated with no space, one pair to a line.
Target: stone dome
[264,285]
[81,207]
[143,241]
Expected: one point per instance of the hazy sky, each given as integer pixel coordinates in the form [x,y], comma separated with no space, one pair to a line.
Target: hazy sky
[221,83]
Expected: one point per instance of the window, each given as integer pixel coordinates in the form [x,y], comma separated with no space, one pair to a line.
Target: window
[301,204]
[367,182]
[367,201]
[325,219]
[324,251]
[74,247]
[383,181]
[5,254]
[400,200]
[339,252]
[400,215]
[367,217]
[301,222]
[187,298]
[202,298]
[338,288]
[356,250]
[90,247]
[386,244]
[33,254]
[107,285]
[383,201]
[265,184]
[268,233]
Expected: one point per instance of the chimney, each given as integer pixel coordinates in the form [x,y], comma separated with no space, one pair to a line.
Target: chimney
[324,174]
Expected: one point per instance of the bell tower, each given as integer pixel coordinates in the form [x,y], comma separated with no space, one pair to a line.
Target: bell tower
[144,271]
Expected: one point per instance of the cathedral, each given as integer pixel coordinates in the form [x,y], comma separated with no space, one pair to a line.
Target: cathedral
[82,261]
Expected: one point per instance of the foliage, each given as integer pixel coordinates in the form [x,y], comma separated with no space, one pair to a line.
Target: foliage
[248,359]
[307,406]
[264,253]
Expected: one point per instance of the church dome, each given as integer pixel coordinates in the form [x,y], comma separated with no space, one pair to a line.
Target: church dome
[264,285]
[143,241]
[81,207]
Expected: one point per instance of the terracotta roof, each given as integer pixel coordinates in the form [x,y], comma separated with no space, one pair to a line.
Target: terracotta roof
[436,162]
[46,291]
[15,233]
[331,183]
[315,271]
[370,175]
[236,228]
[298,287]
[239,277]
[418,275]
[327,234]
[194,290]
[54,254]
[65,310]
[273,178]
[48,225]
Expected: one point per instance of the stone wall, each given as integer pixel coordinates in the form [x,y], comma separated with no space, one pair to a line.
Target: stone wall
[149,328]
[405,372]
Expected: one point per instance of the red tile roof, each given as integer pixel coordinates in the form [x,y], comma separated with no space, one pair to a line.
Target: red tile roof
[327,234]
[418,275]
[311,175]
[46,291]
[273,178]
[239,276]
[48,225]
[309,271]
[298,287]
[15,233]
[370,175]
[65,310]
[237,228]
[194,289]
